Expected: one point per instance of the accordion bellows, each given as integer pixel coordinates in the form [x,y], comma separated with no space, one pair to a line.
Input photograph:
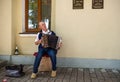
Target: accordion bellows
[50,41]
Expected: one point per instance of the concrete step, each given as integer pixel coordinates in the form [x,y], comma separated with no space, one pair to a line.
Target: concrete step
[2,63]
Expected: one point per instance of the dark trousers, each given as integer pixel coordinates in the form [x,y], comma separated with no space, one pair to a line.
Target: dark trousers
[51,52]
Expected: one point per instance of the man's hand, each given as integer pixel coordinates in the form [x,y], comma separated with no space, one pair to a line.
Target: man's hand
[38,42]
[60,45]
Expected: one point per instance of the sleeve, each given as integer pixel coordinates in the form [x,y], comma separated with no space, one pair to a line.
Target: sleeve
[60,39]
[37,37]
[53,33]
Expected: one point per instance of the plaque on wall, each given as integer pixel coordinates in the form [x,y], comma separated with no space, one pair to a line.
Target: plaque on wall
[78,4]
[97,4]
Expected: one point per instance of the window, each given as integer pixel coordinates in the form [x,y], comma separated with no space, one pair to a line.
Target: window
[35,11]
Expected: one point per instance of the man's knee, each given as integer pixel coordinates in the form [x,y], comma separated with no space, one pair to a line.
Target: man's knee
[52,53]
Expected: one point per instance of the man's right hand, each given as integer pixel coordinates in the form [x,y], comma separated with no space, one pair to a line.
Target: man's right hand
[38,42]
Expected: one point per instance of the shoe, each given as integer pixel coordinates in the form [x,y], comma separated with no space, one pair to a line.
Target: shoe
[33,76]
[53,74]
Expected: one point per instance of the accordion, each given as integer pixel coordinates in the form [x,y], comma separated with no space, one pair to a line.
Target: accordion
[50,41]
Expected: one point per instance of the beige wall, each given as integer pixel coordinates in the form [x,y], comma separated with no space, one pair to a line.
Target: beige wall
[5,27]
[13,26]
[89,33]
[86,33]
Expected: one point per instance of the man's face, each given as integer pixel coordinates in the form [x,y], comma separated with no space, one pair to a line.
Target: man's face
[42,26]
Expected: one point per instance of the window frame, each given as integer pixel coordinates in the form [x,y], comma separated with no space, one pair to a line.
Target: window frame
[26,16]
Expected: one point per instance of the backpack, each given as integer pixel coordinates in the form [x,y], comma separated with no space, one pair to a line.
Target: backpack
[14,70]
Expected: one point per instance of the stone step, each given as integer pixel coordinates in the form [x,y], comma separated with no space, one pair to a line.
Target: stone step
[2,63]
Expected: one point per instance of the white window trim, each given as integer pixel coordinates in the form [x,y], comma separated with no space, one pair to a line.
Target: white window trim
[23,15]
[23,22]
[27,35]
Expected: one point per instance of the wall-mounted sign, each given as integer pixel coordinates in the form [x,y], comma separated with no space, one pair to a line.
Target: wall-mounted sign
[78,4]
[97,4]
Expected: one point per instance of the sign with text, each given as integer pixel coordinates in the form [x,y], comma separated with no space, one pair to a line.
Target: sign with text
[97,4]
[78,4]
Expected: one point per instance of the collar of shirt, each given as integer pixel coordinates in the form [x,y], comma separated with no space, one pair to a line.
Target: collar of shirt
[47,32]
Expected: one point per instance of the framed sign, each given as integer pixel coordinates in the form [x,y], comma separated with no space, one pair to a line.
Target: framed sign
[78,4]
[97,4]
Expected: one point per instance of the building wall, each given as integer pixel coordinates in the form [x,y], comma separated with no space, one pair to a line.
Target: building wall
[89,33]
[5,27]
[13,26]
[86,33]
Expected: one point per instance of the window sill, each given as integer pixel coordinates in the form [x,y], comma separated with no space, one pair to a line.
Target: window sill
[27,34]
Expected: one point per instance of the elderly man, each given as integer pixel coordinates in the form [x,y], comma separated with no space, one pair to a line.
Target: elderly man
[51,52]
